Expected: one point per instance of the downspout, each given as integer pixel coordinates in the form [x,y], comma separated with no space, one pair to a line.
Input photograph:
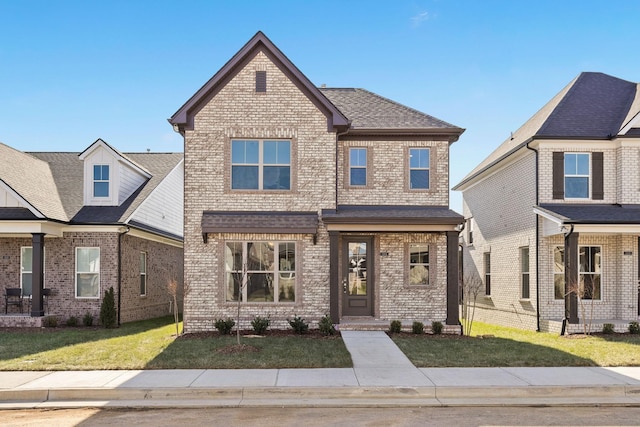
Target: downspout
[537,243]
[124,230]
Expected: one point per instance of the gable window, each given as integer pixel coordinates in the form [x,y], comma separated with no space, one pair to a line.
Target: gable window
[143,273]
[524,272]
[357,166]
[576,175]
[487,273]
[418,264]
[260,271]
[87,272]
[100,180]
[260,165]
[419,168]
[558,272]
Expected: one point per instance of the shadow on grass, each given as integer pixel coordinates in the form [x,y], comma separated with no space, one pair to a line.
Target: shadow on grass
[16,343]
[213,351]
[444,351]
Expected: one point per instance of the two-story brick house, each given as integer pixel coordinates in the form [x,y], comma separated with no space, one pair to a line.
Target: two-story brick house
[72,225]
[309,201]
[553,214]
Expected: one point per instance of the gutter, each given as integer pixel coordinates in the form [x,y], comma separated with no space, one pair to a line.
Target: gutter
[124,231]
[537,241]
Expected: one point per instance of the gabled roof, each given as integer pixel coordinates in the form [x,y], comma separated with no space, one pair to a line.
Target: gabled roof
[593,106]
[369,112]
[32,179]
[592,213]
[117,154]
[183,118]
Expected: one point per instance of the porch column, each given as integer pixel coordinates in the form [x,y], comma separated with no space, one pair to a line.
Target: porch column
[453,311]
[571,277]
[334,279]
[37,284]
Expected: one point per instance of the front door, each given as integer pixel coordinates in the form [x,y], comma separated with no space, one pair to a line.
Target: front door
[357,277]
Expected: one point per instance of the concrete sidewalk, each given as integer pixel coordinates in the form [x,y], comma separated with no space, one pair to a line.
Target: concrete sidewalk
[381,376]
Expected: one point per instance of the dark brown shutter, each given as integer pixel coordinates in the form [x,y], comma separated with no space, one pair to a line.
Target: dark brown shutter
[558,175]
[597,189]
[261,81]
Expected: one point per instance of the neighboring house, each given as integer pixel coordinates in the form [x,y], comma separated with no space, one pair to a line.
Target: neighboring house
[77,224]
[556,208]
[309,201]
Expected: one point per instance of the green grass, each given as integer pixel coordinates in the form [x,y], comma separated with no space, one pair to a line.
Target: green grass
[152,344]
[509,347]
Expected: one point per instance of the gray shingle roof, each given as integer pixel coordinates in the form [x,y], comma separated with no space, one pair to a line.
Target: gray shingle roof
[592,106]
[387,214]
[367,110]
[594,213]
[259,222]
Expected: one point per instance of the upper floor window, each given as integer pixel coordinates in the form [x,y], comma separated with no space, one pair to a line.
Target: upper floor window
[100,180]
[470,222]
[358,166]
[576,175]
[418,264]
[260,165]
[419,168]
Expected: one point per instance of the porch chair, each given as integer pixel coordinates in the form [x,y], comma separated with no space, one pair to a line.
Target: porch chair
[12,296]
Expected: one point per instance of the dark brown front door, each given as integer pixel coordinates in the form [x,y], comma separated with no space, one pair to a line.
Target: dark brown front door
[357,280]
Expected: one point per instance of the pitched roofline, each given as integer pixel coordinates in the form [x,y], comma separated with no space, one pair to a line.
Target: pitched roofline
[450,134]
[183,118]
[15,194]
[118,155]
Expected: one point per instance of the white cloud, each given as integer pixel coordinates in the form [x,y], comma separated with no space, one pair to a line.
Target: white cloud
[419,18]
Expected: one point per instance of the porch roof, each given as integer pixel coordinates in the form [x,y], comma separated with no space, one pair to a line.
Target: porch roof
[592,213]
[392,214]
[259,222]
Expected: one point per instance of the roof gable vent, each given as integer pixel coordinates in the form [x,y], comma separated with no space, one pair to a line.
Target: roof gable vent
[261,81]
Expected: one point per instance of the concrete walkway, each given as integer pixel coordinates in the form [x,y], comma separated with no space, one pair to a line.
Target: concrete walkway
[381,376]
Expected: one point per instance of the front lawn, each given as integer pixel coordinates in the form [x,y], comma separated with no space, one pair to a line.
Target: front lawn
[497,346]
[152,344]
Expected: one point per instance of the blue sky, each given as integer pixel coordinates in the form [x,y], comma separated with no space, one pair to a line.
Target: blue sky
[75,71]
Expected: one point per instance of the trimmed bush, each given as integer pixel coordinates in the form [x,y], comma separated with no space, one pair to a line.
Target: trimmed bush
[50,322]
[436,328]
[326,326]
[224,326]
[87,319]
[260,324]
[298,324]
[108,318]
[608,328]
[634,327]
[72,321]
[395,326]
[417,328]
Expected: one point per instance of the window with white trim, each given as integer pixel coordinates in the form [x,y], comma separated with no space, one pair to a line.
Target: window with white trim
[418,264]
[143,273]
[87,272]
[590,273]
[419,162]
[558,272]
[260,164]
[100,180]
[524,273]
[26,270]
[576,175]
[487,273]
[260,272]
[358,167]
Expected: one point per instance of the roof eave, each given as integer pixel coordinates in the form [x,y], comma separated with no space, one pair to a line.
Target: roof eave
[449,134]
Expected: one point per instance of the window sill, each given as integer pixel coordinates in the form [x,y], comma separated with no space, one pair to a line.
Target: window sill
[525,300]
[487,297]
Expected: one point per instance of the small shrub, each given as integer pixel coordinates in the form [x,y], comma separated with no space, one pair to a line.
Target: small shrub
[260,324]
[50,322]
[634,327]
[395,326]
[108,318]
[87,319]
[608,328]
[72,321]
[298,324]
[417,328]
[224,326]
[436,328]
[326,326]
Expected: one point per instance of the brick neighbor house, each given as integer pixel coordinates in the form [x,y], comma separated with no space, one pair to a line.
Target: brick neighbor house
[556,208]
[309,201]
[72,225]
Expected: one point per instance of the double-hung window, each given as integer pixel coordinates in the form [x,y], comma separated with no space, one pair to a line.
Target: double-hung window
[26,270]
[418,264]
[260,164]
[558,272]
[87,272]
[487,273]
[100,180]
[358,167]
[590,261]
[524,272]
[143,273]
[260,271]
[419,163]
[576,175]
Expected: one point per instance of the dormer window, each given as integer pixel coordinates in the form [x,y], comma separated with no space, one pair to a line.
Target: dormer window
[100,180]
